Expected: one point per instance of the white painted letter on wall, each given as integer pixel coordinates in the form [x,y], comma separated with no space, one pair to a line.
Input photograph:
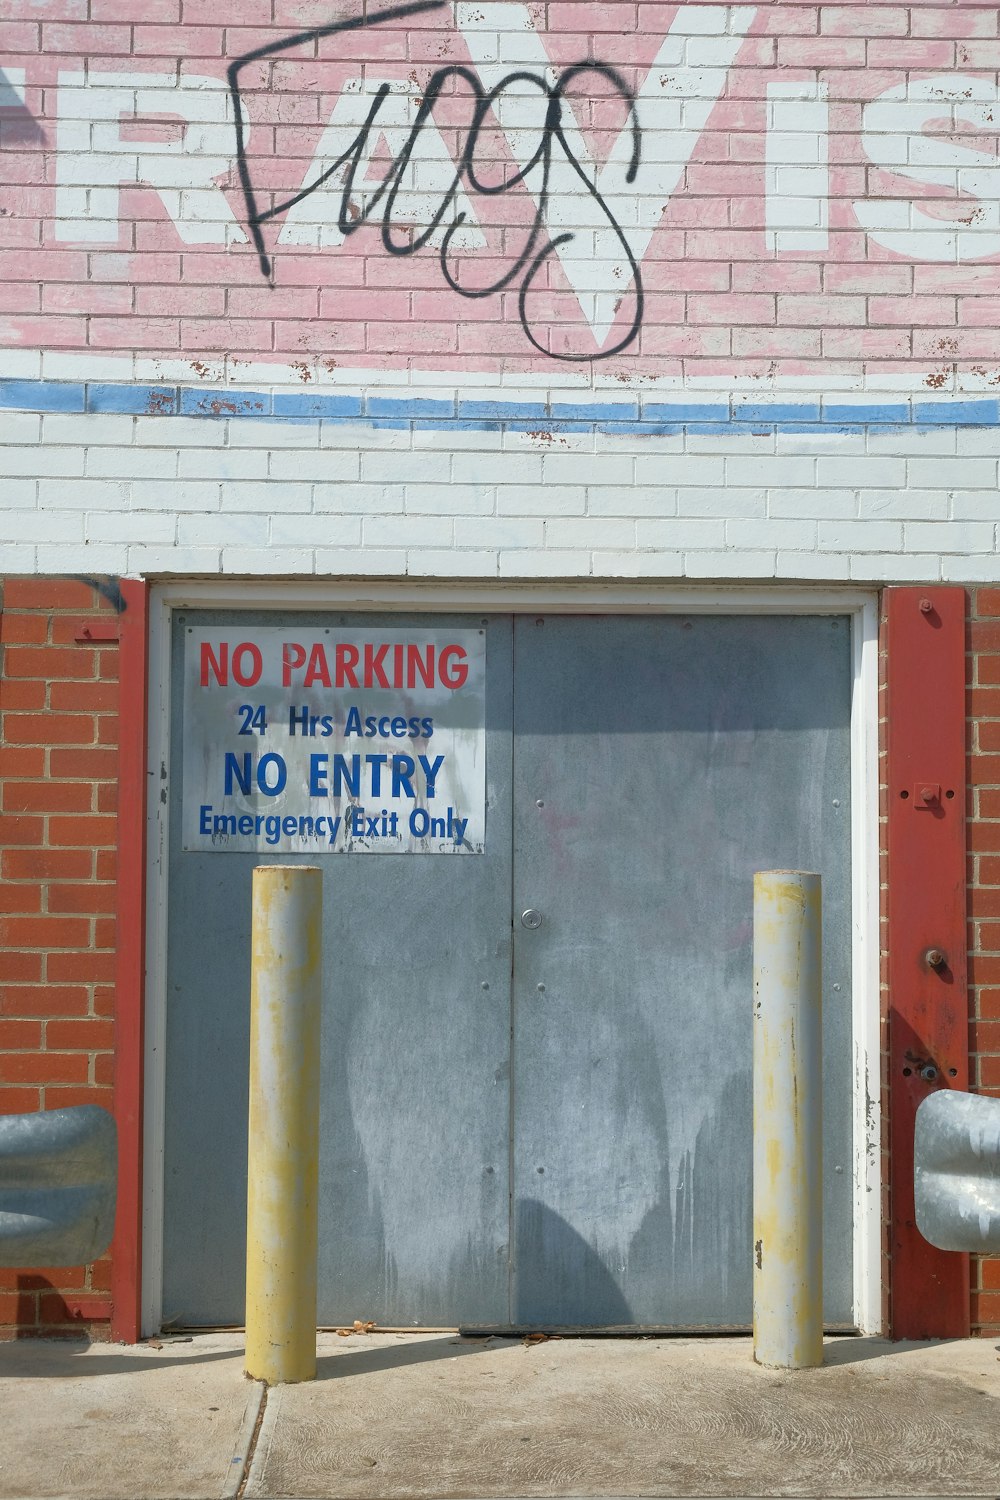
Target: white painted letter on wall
[798,167]
[95,159]
[907,131]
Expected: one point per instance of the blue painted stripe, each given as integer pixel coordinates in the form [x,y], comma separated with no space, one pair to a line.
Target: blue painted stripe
[502,411]
[647,429]
[464,425]
[958,413]
[837,429]
[710,429]
[143,400]
[300,404]
[432,424]
[427,413]
[895,415]
[41,395]
[680,412]
[222,401]
[787,414]
[401,407]
[546,427]
[595,411]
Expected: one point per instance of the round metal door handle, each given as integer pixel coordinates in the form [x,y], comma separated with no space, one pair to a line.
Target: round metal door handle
[531,919]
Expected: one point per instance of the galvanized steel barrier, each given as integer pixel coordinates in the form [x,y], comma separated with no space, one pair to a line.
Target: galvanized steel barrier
[956,1153]
[58,1185]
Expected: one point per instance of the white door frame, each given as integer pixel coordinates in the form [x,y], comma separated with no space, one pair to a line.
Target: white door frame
[486,598]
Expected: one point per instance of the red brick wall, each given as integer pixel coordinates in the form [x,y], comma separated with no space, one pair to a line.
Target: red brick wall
[58,738]
[984,893]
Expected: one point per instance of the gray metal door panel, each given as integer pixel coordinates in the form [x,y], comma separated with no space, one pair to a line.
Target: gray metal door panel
[415,1122]
[670,757]
[659,761]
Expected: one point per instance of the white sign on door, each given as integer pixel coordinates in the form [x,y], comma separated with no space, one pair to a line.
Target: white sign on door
[306,740]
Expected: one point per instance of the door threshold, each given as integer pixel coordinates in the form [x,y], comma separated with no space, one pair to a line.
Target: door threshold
[530,1330]
[623,1330]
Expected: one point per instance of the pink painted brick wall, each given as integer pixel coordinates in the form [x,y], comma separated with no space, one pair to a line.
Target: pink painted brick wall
[815,189]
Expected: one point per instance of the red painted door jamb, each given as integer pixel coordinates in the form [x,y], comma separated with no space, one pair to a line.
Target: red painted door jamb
[126,1316]
[928,993]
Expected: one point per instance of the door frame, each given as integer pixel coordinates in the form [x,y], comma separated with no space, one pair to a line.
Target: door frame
[860,605]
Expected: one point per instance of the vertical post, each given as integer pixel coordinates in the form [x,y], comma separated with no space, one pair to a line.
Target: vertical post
[130,958]
[283,1166]
[787,1121]
[926,909]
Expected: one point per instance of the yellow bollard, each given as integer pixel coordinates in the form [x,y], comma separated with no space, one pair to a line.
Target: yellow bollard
[787,1121]
[283,1158]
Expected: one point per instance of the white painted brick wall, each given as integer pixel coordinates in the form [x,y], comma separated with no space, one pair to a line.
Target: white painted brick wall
[178,496]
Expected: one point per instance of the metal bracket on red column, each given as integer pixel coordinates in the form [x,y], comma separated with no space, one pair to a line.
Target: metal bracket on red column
[928,992]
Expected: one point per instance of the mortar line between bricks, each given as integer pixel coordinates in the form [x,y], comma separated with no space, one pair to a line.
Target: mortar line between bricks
[246,1444]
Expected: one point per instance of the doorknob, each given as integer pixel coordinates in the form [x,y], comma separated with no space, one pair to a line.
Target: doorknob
[531,919]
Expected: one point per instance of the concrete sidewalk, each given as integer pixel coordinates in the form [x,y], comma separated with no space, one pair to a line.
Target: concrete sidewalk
[401,1415]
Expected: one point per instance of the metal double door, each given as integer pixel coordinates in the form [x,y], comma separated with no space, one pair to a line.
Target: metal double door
[536,1062]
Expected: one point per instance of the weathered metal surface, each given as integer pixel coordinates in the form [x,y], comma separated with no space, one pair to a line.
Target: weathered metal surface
[283,1165]
[670,762]
[58,1171]
[413,1220]
[928,1001]
[658,763]
[788,1120]
[956,1160]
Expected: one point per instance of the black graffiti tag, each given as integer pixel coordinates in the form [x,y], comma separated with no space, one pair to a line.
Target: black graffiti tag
[538,246]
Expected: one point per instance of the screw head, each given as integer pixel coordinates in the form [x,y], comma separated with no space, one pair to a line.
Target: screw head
[925,606]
